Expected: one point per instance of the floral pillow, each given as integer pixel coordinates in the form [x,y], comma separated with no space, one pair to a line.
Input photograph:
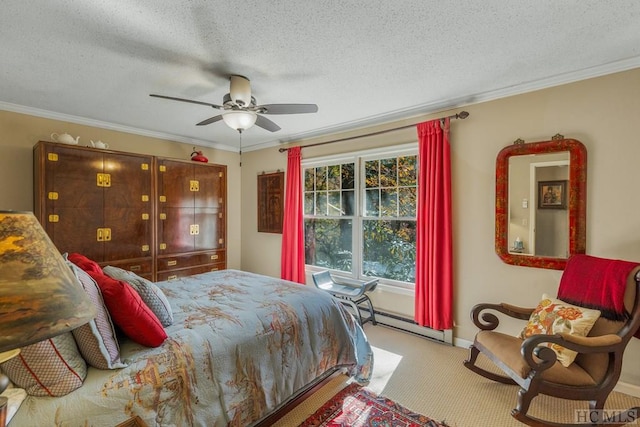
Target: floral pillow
[553,316]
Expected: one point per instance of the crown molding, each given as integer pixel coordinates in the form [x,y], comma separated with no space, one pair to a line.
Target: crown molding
[435,107]
[388,117]
[46,114]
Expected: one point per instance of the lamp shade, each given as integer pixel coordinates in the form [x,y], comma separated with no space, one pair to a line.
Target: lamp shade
[239,119]
[40,296]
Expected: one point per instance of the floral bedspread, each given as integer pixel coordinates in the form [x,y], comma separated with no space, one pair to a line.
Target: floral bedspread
[241,345]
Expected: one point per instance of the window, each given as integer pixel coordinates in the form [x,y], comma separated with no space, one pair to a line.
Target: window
[360,215]
[329,205]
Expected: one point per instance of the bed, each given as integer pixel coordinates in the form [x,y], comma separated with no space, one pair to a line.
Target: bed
[241,347]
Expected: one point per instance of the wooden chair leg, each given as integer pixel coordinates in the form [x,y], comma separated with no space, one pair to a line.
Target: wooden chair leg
[524,401]
[471,365]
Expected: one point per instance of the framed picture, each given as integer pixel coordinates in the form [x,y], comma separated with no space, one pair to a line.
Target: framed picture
[552,194]
[270,202]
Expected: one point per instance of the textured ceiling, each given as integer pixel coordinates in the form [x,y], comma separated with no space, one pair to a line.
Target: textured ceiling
[362,62]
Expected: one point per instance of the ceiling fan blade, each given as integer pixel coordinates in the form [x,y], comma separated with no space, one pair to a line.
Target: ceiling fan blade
[187,100]
[287,108]
[210,120]
[267,124]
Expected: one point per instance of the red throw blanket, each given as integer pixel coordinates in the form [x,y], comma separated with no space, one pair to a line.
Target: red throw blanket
[597,283]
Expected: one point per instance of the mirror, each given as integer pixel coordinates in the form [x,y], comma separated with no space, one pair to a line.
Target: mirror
[541,202]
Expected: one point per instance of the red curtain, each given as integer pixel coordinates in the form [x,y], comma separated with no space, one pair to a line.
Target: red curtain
[292,258]
[434,254]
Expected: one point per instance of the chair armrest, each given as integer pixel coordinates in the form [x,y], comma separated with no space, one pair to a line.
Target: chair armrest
[523,313]
[540,357]
[489,321]
[370,285]
[600,341]
[359,287]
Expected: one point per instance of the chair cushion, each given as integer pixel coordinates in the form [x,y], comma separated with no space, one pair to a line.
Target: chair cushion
[505,348]
[553,316]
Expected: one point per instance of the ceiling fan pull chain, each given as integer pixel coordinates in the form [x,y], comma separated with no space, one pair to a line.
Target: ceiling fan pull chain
[240,152]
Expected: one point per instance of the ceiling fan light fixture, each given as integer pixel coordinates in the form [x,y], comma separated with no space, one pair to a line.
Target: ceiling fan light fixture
[239,120]
[240,90]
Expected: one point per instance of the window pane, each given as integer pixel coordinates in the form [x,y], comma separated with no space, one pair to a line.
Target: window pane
[309,203]
[407,201]
[388,173]
[334,203]
[309,179]
[328,243]
[407,170]
[372,203]
[389,249]
[321,203]
[334,178]
[371,173]
[348,202]
[389,203]
[348,176]
[386,245]
[321,178]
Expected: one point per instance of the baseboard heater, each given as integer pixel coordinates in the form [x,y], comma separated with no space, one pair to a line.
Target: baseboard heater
[408,325]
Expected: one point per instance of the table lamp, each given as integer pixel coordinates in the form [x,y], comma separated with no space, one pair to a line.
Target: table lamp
[40,296]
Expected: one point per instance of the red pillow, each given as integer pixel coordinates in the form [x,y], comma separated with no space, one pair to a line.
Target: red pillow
[129,312]
[85,263]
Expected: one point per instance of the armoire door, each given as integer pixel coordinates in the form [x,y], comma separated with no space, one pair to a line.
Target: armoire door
[175,207]
[72,202]
[95,202]
[128,206]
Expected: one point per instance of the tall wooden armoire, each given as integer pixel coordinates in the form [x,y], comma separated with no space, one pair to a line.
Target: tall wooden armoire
[157,217]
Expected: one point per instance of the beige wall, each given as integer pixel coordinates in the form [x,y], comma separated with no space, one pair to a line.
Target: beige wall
[20,132]
[600,112]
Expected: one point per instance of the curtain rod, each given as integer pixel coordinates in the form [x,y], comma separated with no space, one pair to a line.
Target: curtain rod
[461,115]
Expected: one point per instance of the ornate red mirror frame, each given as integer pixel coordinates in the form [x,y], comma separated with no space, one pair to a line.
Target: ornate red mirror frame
[577,200]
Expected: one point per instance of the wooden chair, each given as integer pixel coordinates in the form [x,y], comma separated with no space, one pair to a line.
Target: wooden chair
[351,294]
[532,364]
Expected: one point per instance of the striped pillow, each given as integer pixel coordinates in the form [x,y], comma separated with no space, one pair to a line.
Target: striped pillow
[97,339]
[51,367]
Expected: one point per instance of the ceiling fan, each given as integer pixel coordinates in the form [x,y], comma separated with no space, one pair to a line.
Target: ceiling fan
[240,110]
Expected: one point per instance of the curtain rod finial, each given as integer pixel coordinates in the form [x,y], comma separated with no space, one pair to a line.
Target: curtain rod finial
[462,115]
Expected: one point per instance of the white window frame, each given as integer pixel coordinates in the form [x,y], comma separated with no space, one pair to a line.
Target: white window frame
[358,158]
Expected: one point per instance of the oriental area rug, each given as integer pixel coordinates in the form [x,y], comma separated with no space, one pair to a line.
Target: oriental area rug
[355,406]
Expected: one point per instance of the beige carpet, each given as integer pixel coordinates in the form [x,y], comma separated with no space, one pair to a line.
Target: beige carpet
[429,378]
